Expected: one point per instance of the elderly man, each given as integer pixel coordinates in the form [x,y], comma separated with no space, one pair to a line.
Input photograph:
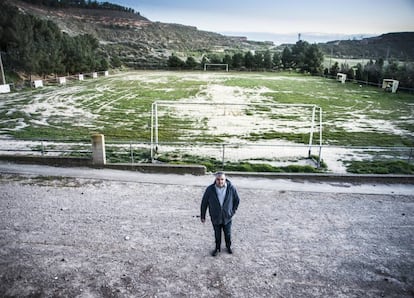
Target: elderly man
[222,200]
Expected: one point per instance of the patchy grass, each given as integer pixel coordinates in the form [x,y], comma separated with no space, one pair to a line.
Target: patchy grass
[380,167]
[213,164]
[341,137]
[116,155]
[120,108]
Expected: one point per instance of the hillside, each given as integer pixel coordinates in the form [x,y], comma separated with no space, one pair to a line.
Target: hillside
[138,41]
[399,46]
[135,39]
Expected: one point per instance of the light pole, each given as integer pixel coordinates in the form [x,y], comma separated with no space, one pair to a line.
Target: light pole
[2,71]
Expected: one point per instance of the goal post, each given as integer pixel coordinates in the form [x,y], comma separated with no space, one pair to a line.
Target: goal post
[226,66]
[235,117]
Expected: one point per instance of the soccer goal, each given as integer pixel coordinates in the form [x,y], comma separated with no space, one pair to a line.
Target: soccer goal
[251,131]
[216,66]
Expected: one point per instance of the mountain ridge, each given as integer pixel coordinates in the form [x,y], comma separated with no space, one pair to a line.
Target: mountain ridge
[140,41]
[393,45]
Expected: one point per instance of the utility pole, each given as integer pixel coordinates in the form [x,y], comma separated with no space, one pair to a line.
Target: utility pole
[2,71]
[330,57]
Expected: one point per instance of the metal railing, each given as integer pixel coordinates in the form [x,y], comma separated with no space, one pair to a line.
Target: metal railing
[46,147]
[335,157]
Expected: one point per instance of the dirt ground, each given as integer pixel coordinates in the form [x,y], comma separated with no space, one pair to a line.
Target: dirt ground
[105,236]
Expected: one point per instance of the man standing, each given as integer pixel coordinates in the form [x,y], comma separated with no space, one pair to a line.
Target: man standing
[222,200]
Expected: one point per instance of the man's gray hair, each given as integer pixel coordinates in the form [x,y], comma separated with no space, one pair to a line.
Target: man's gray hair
[219,174]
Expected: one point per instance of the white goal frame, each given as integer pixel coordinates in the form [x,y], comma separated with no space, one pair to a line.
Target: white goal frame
[315,110]
[216,64]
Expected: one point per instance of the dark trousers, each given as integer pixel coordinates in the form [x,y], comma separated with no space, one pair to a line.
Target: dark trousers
[227,234]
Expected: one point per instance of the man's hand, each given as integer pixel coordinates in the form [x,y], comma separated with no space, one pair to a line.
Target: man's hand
[203,220]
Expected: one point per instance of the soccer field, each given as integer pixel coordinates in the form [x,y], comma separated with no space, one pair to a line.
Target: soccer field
[119,106]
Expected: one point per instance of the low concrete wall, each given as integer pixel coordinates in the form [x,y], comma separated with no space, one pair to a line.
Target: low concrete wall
[86,162]
[199,170]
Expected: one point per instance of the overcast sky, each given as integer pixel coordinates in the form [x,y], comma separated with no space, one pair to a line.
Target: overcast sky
[274,19]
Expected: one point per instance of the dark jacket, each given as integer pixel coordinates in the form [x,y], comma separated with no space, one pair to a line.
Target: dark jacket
[220,214]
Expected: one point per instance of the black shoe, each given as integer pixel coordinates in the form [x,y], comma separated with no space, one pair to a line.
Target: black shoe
[229,250]
[215,252]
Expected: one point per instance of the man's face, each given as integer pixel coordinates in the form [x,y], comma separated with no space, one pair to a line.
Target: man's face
[220,180]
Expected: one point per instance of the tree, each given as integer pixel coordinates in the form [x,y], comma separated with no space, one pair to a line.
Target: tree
[115,61]
[359,72]
[215,59]
[23,50]
[333,71]
[36,46]
[204,60]
[249,60]
[191,63]
[104,65]
[227,59]
[237,60]
[267,60]
[373,72]
[258,60]
[406,75]
[287,58]
[175,62]
[344,67]
[391,70]
[276,60]
[299,54]
[313,59]
[80,53]
[48,38]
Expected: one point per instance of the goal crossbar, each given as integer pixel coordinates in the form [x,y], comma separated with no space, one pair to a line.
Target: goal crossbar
[316,113]
[216,64]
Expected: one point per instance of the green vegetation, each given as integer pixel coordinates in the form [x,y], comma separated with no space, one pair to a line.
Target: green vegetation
[380,167]
[81,4]
[35,46]
[271,135]
[120,155]
[391,45]
[303,57]
[373,72]
[213,165]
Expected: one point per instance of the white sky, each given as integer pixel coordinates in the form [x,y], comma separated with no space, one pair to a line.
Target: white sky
[316,17]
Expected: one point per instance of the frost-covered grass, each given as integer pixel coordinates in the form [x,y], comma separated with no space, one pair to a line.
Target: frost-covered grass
[120,107]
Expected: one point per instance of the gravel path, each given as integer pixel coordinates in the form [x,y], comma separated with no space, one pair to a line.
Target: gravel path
[81,233]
